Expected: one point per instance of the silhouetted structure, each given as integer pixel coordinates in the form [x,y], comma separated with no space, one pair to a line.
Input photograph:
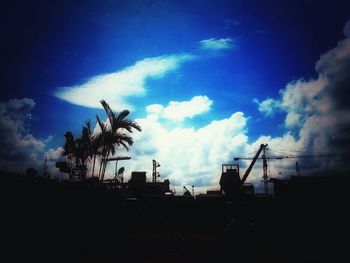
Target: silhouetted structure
[140,187]
[230,182]
[155,174]
[311,186]
[82,222]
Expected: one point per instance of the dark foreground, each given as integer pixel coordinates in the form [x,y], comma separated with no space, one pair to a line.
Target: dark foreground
[44,221]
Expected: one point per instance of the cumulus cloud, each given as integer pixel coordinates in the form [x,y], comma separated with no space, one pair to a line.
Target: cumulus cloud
[54,155]
[319,108]
[19,148]
[188,156]
[119,86]
[193,156]
[216,44]
[268,106]
[179,110]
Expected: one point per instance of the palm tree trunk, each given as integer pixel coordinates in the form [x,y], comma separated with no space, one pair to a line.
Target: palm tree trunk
[99,172]
[105,164]
[70,166]
[93,167]
[103,170]
[101,164]
[83,165]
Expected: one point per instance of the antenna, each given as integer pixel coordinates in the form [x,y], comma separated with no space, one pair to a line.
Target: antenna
[45,172]
[155,174]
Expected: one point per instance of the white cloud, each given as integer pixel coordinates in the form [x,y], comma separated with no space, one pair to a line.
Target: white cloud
[188,156]
[217,44]
[179,110]
[19,148]
[268,106]
[118,86]
[131,81]
[319,109]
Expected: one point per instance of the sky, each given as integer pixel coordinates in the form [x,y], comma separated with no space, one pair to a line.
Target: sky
[206,80]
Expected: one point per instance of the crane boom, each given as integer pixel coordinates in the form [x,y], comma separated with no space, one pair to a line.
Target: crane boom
[266,158]
[245,176]
[288,157]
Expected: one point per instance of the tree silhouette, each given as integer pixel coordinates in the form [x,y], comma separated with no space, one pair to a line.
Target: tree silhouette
[115,134]
[69,151]
[78,151]
[96,142]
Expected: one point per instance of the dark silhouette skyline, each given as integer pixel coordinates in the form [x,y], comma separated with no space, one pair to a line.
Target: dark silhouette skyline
[243,153]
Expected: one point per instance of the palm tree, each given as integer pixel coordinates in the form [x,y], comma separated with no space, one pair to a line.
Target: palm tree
[78,151]
[83,146]
[115,134]
[102,142]
[96,142]
[89,145]
[69,150]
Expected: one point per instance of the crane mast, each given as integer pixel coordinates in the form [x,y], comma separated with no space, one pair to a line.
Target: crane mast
[247,172]
[231,183]
[265,178]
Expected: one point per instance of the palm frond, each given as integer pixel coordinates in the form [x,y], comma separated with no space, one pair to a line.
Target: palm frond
[69,136]
[88,126]
[122,115]
[101,124]
[124,145]
[122,137]
[129,125]
[109,112]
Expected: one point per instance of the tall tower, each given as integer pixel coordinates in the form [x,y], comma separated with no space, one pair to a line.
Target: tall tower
[265,177]
[155,174]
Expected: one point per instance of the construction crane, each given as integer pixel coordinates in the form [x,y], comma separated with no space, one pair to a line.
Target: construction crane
[263,157]
[263,148]
[230,182]
[187,192]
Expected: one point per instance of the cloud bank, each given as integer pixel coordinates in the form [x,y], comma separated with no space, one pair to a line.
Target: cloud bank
[318,109]
[19,148]
[188,156]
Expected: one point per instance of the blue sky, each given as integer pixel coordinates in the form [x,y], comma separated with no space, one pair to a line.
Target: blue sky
[188,69]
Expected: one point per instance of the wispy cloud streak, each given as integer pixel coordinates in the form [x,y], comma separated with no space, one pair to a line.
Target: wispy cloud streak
[120,85]
[217,44]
